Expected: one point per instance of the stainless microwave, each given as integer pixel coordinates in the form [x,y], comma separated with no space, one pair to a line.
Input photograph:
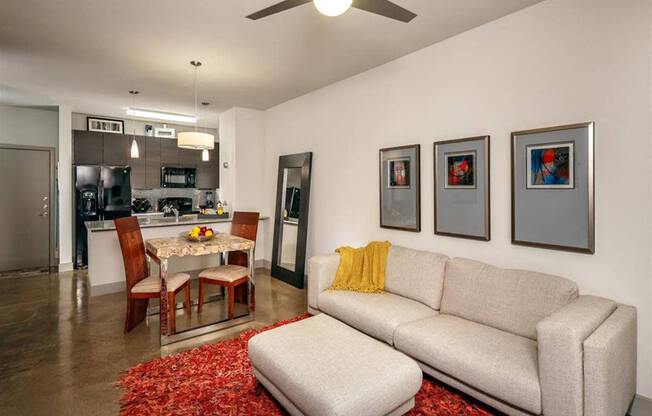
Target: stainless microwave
[174,177]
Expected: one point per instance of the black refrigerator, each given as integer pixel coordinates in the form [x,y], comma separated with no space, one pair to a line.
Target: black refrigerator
[101,193]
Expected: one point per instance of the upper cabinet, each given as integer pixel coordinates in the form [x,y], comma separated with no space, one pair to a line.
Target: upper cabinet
[208,173]
[153,162]
[87,147]
[139,164]
[91,148]
[116,150]
[169,153]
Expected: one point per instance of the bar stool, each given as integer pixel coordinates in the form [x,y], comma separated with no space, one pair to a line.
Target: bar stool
[236,272]
[140,285]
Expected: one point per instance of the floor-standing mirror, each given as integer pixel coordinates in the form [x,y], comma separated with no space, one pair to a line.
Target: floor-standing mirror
[291,220]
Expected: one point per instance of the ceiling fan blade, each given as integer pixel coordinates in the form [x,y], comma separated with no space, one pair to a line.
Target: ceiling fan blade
[385,8]
[277,8]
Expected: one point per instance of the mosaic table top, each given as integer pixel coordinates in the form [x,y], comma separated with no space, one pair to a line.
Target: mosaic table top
[166,247]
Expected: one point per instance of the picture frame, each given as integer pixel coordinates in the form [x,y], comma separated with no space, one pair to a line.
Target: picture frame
[400,187]
[556,211]
[462,191]
[105,125]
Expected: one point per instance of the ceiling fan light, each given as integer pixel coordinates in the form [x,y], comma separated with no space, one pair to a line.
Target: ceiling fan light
[195,140]
[332,8]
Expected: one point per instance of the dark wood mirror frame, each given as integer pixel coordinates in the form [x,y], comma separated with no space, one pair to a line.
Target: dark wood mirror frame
[295,278]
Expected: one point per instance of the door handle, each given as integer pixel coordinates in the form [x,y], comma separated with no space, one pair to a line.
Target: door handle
[44,214]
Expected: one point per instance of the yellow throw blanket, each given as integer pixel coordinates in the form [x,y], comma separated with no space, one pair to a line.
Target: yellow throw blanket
[362,269]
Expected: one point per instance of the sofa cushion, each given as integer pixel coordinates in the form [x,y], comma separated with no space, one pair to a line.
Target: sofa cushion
[415,274]
[374,314]
[511,300]
[495,362]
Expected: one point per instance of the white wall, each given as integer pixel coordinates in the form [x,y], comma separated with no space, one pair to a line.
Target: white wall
[64,173]
[29,126]
[558,62]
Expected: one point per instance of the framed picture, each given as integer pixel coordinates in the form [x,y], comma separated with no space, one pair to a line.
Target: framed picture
[400,188]
[550,166]
[399,173]
[553,188]
[105,125]
[460,170]
[461,173]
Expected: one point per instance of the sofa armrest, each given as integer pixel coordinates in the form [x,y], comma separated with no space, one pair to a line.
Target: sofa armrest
[560,339]
[321,273]
[610,365]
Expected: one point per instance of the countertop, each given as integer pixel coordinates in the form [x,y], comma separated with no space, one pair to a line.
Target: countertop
[145,222]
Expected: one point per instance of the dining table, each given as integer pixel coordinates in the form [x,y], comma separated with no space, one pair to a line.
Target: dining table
[161,250]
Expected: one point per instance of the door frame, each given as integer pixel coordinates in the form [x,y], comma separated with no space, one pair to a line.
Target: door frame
[297,277]
[53,202]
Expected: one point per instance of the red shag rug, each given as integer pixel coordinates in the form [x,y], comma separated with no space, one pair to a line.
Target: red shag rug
[216,379]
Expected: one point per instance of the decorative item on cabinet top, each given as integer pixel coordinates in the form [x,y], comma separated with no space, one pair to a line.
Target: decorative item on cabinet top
[105,125]
[553,188]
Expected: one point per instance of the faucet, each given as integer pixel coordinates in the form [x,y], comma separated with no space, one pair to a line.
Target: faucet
[176,214]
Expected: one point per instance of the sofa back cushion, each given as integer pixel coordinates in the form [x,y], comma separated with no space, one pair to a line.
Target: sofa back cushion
[511,300]
[415,274]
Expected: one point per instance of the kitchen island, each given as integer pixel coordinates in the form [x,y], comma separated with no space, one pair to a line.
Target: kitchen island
[105,265]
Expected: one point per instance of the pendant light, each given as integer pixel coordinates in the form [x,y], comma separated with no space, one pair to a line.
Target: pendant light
[194,139]
[204,156]
[135,153]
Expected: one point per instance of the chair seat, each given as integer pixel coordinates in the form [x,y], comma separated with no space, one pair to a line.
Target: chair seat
[152,284]
[227,273]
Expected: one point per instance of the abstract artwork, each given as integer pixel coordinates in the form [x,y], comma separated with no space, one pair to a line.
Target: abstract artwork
[550,166]
[399,173]
[460,170]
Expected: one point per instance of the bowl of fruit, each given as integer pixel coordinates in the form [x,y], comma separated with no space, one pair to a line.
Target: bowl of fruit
[199,234]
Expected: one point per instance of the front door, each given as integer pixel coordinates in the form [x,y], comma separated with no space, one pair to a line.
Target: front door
[24,208]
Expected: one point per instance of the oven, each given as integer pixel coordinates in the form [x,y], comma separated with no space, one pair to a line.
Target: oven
[174,177]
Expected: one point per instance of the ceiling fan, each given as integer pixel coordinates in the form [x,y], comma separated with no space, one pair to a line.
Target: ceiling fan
[337,7]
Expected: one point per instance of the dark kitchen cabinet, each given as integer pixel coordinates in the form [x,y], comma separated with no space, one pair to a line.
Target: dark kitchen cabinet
[139,165]
[87,147]
[153,162]
[189,158]
[208,173]
[169,153]
[116,149]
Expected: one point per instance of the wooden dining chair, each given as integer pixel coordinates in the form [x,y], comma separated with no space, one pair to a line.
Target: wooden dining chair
[140,285]
[236,271]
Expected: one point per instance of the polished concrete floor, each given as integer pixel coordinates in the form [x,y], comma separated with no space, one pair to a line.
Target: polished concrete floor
[61,350]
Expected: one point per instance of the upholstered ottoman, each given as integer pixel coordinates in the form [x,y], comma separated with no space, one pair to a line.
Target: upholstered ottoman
[321,366]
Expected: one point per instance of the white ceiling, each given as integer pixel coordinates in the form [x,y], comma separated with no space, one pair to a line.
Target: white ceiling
[88,54]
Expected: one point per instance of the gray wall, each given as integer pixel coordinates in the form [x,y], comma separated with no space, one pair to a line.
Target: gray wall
[29,126]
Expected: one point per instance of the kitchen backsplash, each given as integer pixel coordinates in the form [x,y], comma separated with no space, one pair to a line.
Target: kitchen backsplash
[153,195]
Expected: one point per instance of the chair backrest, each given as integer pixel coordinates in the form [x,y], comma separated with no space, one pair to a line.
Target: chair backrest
[245,225]
[133,250]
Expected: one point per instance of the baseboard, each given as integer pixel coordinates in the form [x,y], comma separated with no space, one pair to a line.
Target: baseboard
[263,264]
[105,289]
[65,267]
[642,406]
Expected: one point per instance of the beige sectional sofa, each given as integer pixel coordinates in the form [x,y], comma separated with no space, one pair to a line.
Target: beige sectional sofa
[523,342]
